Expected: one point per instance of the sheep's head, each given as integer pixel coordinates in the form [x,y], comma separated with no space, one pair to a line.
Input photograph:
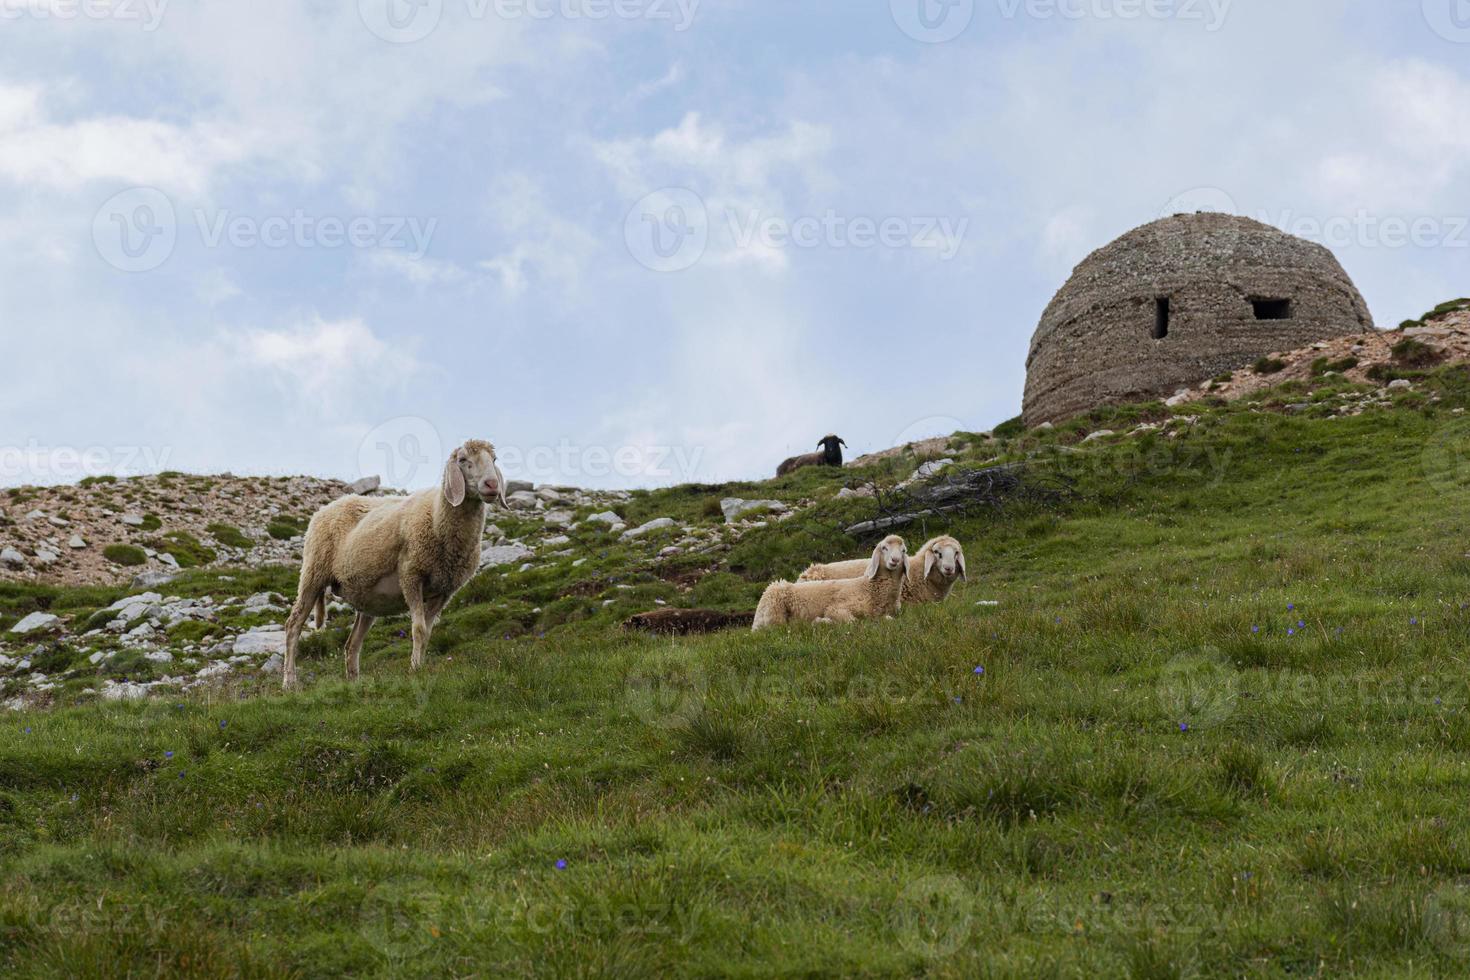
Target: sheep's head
[945,554]
[472,471]
[891,556]
[829,445]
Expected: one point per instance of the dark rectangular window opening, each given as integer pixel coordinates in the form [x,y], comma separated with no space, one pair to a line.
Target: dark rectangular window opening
[1272,309]
[1161,318]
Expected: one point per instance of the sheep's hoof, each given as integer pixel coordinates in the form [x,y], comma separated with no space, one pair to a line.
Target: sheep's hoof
[824,619]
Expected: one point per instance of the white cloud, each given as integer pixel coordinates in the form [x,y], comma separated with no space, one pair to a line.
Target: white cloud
[34,150]
[418,271]
[323,361]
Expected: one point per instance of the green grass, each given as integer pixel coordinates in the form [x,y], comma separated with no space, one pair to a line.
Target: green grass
[229,535]
[1222,730]
[285,528]
[125,555]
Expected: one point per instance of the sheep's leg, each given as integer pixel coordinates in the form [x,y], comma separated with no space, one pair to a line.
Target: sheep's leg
[840,615]
[360,627]
[321,611]
[307,596]
[423,625]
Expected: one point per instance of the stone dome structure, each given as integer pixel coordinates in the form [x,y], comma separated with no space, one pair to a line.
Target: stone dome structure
[1179,301]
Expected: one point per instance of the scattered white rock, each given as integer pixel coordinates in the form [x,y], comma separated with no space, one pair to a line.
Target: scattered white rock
[734,507]
[606,517]
[1099,434]
[76,542]
[132,520]
[495,555]
[657,524]
[1400,384]
[262,639]
[124,691]
[159,657]
[366,485]
[35,622]
[10,556]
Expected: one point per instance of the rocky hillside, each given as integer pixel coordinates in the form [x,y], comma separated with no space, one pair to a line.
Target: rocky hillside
[1440,337]
[156,643]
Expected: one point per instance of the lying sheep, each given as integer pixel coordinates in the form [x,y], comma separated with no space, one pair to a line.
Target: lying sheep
[876,592]
[830,455]
[386,556]
[932,573]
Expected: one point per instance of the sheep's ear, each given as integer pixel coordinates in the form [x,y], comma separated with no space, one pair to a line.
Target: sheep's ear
[928,561]
[872,571]
[959,559]
[844,444]
[453,482]
[500,485]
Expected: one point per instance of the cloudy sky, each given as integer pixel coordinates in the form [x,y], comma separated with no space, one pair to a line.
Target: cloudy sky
[637,242]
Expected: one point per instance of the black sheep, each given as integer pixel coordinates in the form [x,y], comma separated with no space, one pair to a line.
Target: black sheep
[831,455]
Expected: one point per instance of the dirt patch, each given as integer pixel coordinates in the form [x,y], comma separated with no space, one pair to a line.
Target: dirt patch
[682,622]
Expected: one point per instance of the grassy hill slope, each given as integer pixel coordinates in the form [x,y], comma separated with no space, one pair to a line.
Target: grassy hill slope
[1217,724]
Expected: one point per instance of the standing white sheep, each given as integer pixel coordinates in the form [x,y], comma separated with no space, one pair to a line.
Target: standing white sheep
[387,556]
[932,573]
[877,592]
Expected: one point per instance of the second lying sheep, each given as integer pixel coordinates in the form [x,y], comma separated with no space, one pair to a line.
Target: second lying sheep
[875,591]
[932,573]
